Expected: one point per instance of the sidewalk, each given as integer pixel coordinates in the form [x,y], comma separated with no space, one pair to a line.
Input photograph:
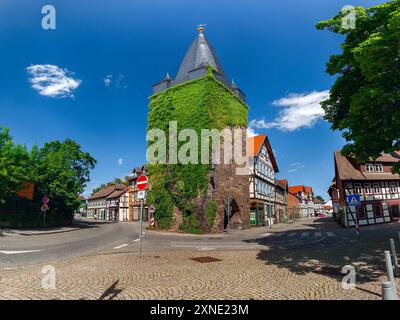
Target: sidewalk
[34,232]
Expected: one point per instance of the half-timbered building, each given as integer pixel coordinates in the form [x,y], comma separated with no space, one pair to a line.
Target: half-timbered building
[378,187]
[134,202]
[263,167]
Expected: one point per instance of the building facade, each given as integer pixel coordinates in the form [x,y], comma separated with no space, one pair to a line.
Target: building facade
[134,202]
[263,167]
[118,206]
[319,206]
[306,195]
[294,202]
[281,200]
[374,182]
[97,202]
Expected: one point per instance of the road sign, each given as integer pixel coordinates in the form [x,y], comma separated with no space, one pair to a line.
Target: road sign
[152,221]
[152,209]
[141,195]
[228,200]
[141,182]
[354,200]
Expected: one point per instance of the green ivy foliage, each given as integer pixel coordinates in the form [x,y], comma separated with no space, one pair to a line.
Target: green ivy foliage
[203,103]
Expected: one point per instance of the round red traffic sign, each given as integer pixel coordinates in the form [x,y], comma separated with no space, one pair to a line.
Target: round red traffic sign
[141,182]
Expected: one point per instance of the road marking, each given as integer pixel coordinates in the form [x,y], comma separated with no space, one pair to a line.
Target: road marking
[317,234]
[330,234]
[292,234]
[206,249]
[136,240]
[18,252]
[267,234]
[121,246]
[305,234]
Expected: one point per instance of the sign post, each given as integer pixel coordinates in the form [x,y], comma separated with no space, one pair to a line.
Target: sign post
[353,200]
[44,208]
[152,209]
[228,201]
[141,185]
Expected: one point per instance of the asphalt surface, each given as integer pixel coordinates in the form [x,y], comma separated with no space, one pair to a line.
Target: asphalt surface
[101,237]
[21,250]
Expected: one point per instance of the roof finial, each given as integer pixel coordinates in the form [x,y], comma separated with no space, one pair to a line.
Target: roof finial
[201,28]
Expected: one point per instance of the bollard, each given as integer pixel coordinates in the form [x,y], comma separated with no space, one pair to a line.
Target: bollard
[389,269]
[394,256]
[387,291]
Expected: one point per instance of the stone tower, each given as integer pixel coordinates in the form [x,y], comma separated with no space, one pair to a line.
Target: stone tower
[194,196]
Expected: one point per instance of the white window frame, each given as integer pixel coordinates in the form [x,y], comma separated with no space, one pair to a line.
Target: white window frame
[369,167]
[378,165]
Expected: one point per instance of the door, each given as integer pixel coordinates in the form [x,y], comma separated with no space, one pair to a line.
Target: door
[395,212]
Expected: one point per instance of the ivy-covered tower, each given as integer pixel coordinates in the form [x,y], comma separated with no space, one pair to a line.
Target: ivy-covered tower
[193,197]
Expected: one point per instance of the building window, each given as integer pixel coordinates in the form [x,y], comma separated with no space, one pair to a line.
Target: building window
[357,188]
[378,167]
[377,210]
[369,167]
[361,213]
[393,188]
[367,187]
[377,189]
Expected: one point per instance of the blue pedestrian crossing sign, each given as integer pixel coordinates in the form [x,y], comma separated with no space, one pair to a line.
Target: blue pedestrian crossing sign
[354,200]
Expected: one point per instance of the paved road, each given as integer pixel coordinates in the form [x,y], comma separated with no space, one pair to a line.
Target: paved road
[21,250]
[98,238]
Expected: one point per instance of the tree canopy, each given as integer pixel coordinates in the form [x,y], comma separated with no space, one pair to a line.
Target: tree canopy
[364,101]
[60,170]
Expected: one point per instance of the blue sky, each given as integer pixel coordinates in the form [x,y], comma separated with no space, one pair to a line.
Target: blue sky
[270,48]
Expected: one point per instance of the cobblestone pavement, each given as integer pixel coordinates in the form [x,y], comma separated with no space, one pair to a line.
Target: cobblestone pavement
[275,270]
[173,275]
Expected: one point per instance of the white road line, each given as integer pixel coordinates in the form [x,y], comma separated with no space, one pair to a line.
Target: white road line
[18,252]
[136,240]
[292,234]
[330,234]
[317,234]
[267,234]
[305,234]
[121,246]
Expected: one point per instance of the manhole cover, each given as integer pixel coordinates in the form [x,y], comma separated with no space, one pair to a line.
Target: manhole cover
[205,259]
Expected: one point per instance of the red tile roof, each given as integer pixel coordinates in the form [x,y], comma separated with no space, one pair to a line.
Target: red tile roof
[103,193]
[254,145]
[296,189]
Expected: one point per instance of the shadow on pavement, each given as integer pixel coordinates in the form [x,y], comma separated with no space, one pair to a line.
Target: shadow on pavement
[328,256]
[111,292]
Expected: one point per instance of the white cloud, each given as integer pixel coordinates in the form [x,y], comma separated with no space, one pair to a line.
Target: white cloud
[300,110]
[120,161]
[117,81]
[52,81]
[296,166]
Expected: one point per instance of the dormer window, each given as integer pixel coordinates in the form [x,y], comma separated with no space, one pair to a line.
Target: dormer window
[378,167]
[369,167]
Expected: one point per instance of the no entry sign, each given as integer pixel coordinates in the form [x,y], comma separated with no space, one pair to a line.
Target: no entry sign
[141,182]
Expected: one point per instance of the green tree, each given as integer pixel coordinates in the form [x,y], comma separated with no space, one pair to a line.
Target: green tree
[61,171]
[364,101]
[14,166]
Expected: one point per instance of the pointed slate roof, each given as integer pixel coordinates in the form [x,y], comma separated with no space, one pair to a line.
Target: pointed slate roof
[199,54]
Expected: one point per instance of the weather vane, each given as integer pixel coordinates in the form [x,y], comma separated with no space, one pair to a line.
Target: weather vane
[201,28]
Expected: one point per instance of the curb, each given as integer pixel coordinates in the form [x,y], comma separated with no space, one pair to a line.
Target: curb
[36,233]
